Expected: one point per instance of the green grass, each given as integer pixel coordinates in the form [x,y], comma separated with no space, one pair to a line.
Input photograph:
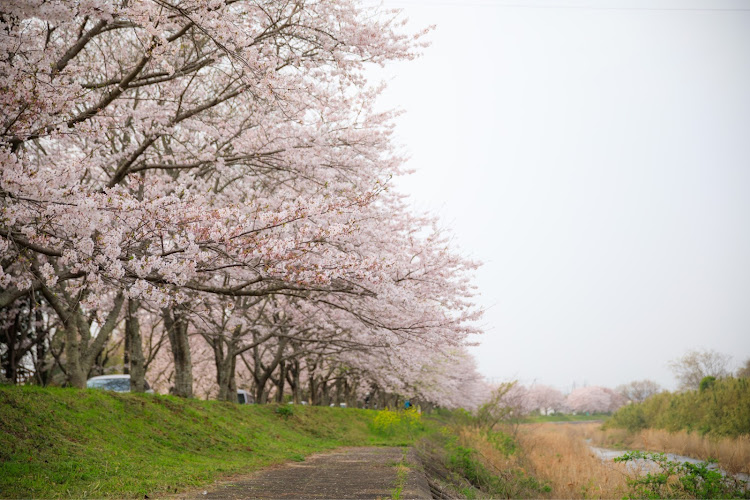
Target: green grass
[464,472]
[402,473]
[86,443]
[561,417]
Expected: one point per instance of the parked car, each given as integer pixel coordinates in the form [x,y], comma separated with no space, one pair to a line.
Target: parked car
[244,397]
[117,383]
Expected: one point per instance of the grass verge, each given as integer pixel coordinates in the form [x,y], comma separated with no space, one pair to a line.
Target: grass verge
[402,473]
[462,461]
[85,443]
[562,417]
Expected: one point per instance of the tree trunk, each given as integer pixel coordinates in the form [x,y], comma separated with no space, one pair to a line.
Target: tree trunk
[177,332]
[339,390]
[81,351]
[225,358]
[41,370]
[233,379]
[261,395]
[9,363]
[350,394]
[280,385]
[134,348]
[76,373]
[262,373]
[294,382]
[325,397]
[225,375]
[20,337]
[126,349]
[313,390]
[297,384]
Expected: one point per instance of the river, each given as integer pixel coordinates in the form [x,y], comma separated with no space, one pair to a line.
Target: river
[607,454]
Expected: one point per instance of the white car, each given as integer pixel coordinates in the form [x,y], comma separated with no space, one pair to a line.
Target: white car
[117,383]
[244,397]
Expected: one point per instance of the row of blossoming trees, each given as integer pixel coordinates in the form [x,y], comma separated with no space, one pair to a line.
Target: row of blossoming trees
[510,400]
[208,180]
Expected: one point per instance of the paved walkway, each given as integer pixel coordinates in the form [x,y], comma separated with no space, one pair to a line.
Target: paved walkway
[345,473]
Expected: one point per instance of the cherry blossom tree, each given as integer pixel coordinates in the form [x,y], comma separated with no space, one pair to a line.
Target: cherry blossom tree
[218,169]
[594,399]
[171,140]
[544,398]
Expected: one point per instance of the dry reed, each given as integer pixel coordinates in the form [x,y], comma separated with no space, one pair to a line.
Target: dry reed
[559,455]
[733,454]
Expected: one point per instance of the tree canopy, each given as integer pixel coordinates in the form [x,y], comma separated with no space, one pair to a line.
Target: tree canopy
[215,174]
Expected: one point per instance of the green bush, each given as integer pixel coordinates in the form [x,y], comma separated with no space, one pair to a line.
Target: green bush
[671,479]
[503,442]
[630,417]
[706,383]
[285,411]
[513,482]
[720,408]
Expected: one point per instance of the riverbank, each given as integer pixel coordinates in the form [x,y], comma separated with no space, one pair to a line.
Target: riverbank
[562,456]
[558,454]
[732,453]
[608,454]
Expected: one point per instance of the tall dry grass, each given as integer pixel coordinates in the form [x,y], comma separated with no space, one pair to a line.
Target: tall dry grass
[559,455]
[733,454]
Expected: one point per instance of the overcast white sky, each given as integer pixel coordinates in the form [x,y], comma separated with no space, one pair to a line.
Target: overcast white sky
[595,155]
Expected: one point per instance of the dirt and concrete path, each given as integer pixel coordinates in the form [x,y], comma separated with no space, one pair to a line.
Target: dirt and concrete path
[344,473]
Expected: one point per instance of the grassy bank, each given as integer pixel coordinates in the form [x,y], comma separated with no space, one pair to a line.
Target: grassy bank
[563,417]
[84,443]
[463,461]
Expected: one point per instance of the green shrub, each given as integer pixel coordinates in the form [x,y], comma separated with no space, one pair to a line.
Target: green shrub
[706,383]
[720,408]
[285,411]
[462,460]
[503,442]
[630,417]
[509,483]
[680,479]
